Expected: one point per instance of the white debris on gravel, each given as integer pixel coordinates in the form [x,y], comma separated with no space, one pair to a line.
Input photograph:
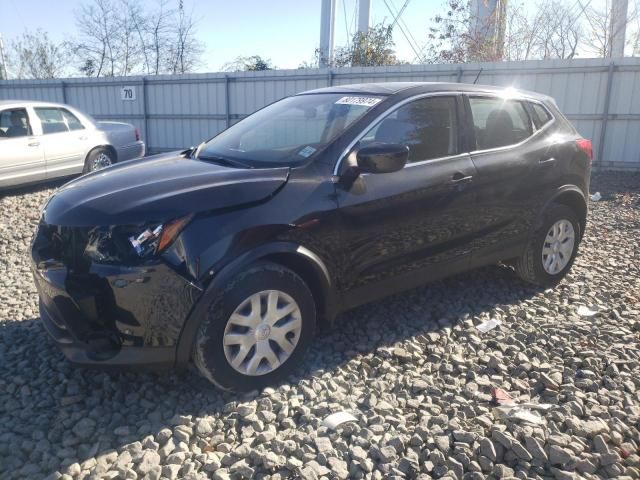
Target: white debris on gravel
[414,367]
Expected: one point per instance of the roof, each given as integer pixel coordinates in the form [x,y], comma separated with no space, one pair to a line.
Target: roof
[392,88]
[34,103]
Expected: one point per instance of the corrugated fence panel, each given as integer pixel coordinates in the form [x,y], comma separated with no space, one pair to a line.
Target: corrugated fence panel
[176,111]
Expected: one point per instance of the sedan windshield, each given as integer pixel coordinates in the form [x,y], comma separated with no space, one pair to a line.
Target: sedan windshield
[286,132]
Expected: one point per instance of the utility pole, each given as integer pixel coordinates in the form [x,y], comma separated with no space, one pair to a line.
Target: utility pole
[3,61]
[364,15]
[327,23]
[618,27]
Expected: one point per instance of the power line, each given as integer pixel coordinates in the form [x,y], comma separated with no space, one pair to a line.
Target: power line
[396,17]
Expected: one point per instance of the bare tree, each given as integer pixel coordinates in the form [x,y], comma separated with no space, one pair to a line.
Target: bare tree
[154,32]
[34,55]
[552,30]
[185,49]
[98,27]
[602,28]
[118,37]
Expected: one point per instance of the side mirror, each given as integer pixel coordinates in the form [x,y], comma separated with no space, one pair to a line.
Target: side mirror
[382,158]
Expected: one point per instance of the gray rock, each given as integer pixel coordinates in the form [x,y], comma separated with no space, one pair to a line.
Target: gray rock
[535,448]
[559,456]
[150,460]
[487,449]
[323,444]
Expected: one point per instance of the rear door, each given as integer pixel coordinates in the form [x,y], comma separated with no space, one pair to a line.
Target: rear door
[64,139]
[21,153]
[515,162]
[405,227]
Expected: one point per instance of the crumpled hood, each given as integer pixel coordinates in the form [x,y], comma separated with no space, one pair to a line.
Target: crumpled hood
[158,188]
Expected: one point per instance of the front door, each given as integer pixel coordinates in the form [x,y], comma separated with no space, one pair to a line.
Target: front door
[403,228]
[21,153]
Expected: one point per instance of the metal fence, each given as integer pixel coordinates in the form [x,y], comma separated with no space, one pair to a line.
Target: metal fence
[599,96]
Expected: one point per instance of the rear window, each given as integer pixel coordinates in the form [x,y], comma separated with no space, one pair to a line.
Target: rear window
[541,115]
[57,120]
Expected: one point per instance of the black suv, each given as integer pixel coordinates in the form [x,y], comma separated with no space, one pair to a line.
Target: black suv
[234,253]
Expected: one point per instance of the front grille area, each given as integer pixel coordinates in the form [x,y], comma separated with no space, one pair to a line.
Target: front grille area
[60,246]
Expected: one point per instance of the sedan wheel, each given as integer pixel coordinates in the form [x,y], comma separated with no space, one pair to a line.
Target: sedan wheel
[101,161]
[262,332]
[98,159]
[256,329]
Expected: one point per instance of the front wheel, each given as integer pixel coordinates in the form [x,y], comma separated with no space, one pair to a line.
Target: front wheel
[256,331]
[552,249]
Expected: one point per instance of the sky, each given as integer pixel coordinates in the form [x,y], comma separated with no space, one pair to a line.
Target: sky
[285,31]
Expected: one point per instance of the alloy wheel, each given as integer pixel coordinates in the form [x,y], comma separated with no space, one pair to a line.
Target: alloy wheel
[101,161]
[262,332]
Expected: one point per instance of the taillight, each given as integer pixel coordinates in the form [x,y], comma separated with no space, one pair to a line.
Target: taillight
[137,134]
[586,146]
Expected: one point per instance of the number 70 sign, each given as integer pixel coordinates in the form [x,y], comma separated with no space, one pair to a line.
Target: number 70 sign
[128,93]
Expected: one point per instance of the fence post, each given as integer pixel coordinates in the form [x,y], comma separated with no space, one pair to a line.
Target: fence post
[330,78]
[145,115]
[227,113]
[605,113]
[63,87]
[459,77]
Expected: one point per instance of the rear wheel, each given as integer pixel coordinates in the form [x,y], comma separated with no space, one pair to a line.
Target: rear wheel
[256,330]
[98,159]
[552,249]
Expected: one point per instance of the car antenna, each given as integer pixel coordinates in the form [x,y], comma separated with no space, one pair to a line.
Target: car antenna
[478,76]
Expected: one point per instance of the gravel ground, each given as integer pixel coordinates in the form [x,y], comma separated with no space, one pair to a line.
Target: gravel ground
[413,369]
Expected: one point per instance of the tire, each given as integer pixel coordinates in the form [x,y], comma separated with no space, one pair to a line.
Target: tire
[214,359]
[531,265]
[98,159]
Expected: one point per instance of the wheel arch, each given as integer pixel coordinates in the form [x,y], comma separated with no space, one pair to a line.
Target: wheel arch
[571,196]
[106,146]
[304,262]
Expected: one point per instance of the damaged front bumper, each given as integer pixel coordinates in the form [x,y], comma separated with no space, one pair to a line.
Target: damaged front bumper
[108,314]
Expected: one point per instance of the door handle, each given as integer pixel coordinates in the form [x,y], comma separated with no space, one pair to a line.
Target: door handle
[460,177]
[34,144]
[547,161]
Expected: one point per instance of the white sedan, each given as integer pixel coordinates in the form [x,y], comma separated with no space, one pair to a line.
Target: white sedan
[42,141]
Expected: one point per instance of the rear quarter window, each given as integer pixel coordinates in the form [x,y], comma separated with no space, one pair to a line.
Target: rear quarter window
[541,115]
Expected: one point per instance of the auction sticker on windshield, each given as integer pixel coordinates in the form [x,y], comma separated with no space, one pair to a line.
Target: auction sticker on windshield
[364,101]
[307,151]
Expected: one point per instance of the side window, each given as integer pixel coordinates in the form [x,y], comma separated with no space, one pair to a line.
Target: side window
[541,115]
[72,121]
[498,122]
[14,122]
[427,126]
[52,120]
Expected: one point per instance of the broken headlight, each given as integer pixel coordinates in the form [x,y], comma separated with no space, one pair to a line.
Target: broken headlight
[155,239]
[121,243]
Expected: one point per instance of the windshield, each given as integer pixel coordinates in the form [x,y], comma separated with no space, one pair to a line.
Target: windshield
[287,132]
